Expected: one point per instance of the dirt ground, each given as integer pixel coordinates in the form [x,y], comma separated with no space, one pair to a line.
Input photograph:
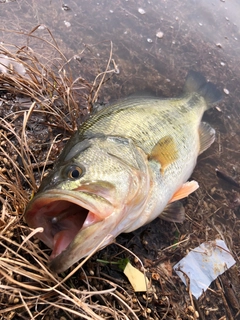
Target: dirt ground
[40,109]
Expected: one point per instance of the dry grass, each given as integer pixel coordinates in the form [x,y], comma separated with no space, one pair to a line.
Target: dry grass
[29,290]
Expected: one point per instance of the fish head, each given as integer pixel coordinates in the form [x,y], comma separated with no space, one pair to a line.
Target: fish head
[87,197]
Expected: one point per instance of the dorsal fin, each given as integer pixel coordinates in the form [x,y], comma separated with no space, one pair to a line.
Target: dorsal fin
[206,136]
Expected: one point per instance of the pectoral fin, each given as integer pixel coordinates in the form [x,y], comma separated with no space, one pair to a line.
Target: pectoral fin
[186,189]
[173,212]
[165,152]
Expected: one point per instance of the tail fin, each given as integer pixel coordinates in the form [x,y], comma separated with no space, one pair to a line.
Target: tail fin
[196,82]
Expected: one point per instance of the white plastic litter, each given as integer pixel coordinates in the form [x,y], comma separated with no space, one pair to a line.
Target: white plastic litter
[203,265]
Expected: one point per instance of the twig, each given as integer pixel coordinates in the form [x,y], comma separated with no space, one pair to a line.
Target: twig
[229,314]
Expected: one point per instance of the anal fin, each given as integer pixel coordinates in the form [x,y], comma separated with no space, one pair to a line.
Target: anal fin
[173,212]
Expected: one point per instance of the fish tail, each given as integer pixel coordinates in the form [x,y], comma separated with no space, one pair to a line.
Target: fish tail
[196,82]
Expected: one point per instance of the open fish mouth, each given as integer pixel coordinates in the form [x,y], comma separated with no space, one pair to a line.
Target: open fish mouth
[63,215]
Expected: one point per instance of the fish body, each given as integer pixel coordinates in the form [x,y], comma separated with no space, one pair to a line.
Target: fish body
[125,166]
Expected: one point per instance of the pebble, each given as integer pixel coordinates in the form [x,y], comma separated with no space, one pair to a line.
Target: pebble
[141,11]
[159,34]
[226,91]
[67,24]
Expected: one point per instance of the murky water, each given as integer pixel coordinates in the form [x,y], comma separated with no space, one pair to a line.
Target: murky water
[154,42]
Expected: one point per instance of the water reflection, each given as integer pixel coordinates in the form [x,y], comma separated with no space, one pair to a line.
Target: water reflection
[156,37]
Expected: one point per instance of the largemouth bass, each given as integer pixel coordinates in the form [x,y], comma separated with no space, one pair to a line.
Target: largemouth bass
[125,166]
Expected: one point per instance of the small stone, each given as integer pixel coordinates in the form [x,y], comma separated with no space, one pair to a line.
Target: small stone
[159,34]
[191,309]
[141,11]
[148,310]
[41,27]
[91,272]
[155,276]
[67,24]
[226,91]
[65,7]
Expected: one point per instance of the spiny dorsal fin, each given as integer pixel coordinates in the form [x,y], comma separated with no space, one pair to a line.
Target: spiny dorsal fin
[173,212]
[186,189]
[164,151]
[206,136]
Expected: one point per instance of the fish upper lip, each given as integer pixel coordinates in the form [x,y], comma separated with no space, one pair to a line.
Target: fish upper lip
[73,212]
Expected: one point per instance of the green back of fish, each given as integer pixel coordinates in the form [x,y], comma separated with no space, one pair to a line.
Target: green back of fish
[147,120]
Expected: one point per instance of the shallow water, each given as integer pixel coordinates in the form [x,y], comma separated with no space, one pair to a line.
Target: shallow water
[154,42]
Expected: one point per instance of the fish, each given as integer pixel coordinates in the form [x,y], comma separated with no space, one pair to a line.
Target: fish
[128,164]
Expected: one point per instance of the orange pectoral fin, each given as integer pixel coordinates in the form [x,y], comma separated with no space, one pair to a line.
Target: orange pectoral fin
[186,189]
[164,152]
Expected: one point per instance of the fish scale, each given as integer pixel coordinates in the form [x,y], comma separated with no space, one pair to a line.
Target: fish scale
[139,118]
[126,165]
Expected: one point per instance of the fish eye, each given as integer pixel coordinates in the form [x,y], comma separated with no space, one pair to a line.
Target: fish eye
[74,172]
